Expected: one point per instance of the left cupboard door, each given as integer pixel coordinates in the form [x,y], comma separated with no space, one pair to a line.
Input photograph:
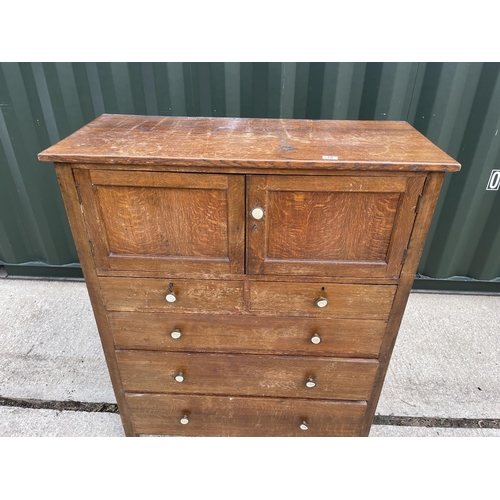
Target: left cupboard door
[164,221]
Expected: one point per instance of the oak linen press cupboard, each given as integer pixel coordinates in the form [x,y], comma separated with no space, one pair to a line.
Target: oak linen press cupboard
[248,276]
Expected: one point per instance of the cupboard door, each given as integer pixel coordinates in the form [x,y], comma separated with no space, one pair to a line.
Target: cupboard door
[163,221]
[352,226]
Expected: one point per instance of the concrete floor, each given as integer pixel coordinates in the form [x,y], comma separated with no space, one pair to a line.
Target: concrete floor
[446,362]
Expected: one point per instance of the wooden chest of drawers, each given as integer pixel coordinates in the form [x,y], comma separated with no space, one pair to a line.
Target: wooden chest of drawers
[248,276]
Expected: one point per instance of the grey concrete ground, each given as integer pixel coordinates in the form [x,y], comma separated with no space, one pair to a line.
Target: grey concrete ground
[446,362]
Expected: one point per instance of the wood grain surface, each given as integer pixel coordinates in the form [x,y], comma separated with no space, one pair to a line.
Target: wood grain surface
[145,221]
[253,277]
[344,300]
[77,224]
[261,143]
[145,294]
[248,334]
[330,226]
[159,414]
[422,223]
[350,227]
[251,375]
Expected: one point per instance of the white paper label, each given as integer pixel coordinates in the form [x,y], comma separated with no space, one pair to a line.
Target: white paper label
[330,157]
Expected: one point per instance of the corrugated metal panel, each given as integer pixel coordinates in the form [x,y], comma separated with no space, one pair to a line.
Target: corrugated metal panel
[458,108]
[456,105]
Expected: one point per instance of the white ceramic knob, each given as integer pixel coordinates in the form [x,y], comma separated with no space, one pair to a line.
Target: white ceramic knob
[321,302]
[316,339]
[304,426]
[310,383]
[179,377]
[171,297]
[176,334]
[184,420]
[257,213]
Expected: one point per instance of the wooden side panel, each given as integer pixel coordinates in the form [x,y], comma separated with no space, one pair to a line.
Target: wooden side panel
[248,334]
[164,221]
[331,226]
[251,375]
[75,216]
[344,300]
[159,414]
[422,223]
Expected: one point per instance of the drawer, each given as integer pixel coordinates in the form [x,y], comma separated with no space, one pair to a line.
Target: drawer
[250,375]
[149,294]
[240,416]
[252,334]
[342,300]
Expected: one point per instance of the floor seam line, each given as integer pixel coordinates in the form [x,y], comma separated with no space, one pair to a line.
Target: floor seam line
[391,420]
[438,422]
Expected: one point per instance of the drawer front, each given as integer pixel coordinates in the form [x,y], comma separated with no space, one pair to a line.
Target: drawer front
[149,294]
[240,416]
[252,375]
[252,334]
[342,300]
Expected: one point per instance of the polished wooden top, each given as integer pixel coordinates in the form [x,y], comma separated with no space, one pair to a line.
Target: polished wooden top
[251,142]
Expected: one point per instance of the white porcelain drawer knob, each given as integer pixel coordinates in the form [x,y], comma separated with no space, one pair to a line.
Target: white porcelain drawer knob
[304,426]
[176,334]
[316,339]
[171,297]
[257,213]
[179,377]
[321,302]
[184,420]
[310,383]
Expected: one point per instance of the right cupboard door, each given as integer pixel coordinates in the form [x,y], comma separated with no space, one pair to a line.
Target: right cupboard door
[346,226]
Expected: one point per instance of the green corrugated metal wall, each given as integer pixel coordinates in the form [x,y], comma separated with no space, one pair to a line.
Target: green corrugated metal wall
[456,105]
